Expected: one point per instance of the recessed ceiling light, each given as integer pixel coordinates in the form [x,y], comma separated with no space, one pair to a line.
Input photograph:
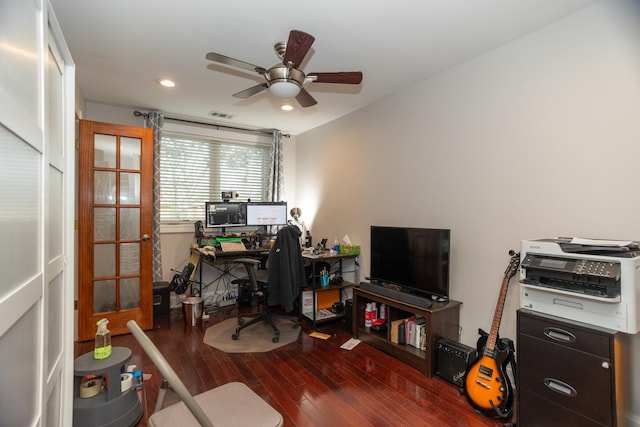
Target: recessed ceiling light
[167,83]
[287,107]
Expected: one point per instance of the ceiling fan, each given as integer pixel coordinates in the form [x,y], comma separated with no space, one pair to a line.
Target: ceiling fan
[286,80]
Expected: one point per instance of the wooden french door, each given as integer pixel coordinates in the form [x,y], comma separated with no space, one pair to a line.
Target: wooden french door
[115,227]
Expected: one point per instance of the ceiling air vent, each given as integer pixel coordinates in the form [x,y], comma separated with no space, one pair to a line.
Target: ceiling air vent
[219,115]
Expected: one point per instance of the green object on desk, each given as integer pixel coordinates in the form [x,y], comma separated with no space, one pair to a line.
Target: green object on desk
[350,249]
[228,239]
[207,242]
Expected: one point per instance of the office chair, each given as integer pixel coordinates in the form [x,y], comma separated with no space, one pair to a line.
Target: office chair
[231,405]
[258,291]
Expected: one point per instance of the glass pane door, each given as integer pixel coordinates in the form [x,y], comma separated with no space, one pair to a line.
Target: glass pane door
[116,196]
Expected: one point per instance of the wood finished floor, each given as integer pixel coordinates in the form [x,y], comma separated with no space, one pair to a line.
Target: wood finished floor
[311,382]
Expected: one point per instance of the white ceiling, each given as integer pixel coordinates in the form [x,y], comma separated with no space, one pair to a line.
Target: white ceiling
[121,48]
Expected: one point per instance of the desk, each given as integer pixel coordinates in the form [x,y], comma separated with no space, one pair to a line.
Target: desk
[335,268]
[223,263]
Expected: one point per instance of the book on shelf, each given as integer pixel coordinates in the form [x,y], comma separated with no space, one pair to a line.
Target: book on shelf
[395,327]
[401,332]
[420,330]
[412,326]
[409,326]
[409,331]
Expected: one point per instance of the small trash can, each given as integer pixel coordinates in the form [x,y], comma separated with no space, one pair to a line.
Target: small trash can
[192,309]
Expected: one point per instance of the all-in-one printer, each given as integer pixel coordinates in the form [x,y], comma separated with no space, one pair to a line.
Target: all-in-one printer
[589,281]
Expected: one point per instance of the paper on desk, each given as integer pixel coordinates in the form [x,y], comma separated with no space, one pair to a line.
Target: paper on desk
[597,242]
[232,246]
[346,239]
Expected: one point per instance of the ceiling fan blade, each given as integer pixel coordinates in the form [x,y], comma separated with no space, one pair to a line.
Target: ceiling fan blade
[216,57]
[305,99]
[298,46]
[253,90]
[346,77]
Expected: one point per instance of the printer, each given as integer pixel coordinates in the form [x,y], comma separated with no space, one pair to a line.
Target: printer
[590,281]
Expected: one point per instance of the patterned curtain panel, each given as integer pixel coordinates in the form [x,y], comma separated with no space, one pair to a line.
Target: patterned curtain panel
[155,121]
[276,176]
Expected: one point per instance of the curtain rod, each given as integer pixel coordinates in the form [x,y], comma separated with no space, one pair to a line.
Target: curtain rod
[217,126]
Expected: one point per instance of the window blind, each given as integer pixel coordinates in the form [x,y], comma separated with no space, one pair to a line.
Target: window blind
[194,170]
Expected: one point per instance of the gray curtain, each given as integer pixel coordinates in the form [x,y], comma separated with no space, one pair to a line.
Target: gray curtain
[276,176]
[155,121]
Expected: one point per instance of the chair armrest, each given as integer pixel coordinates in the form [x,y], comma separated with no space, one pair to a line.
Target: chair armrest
[247,261]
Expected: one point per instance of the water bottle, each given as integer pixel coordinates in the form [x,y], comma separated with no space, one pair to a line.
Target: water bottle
[367,316]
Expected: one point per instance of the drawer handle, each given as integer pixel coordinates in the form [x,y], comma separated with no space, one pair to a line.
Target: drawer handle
[559,335]
[560,387]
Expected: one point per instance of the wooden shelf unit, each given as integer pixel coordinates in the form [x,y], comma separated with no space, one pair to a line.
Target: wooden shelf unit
[442,321]
[336,269]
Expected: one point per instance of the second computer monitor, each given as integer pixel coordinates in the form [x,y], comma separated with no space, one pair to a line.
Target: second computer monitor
[266,213]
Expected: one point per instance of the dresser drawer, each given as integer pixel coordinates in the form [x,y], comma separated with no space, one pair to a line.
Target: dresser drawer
[539,412]
[574,335]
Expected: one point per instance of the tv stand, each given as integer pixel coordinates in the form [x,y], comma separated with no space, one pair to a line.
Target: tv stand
[395,292]
[442,321]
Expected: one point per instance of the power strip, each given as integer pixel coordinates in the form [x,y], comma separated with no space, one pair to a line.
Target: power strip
[226,302]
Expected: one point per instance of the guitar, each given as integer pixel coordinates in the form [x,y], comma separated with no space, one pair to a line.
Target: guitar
[485,384]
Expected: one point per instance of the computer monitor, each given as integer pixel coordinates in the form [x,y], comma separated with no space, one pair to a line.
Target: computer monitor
[266,213]
[225,214]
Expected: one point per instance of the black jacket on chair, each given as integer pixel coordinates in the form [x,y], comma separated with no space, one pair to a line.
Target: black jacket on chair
[286,268]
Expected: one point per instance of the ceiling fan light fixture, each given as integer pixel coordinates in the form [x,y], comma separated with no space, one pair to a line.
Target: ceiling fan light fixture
[285,89]
[285,80]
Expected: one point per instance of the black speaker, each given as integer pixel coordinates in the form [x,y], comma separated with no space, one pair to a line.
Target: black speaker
[453,358]
[161,298]
[348,315]
[199,229]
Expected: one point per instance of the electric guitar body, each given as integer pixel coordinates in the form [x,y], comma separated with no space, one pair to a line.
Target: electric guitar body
[486,385]
[491,391]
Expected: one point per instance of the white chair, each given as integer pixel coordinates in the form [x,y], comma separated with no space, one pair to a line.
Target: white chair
[230,405]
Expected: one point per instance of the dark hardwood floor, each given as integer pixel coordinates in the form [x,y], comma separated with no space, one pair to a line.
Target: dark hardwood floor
[311,382]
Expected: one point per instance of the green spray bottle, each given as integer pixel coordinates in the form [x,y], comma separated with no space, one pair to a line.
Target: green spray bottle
[102,348]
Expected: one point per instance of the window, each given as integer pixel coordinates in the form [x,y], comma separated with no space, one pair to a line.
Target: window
[195,169]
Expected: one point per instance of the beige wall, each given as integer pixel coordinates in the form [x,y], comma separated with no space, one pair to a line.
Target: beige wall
[538,138]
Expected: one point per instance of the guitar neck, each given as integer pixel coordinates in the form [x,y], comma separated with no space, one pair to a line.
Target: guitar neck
[497,317]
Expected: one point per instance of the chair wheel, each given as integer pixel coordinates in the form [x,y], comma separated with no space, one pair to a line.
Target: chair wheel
[276,338]
[234,337]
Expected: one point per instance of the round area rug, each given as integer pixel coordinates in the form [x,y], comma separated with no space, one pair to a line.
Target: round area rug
[253,339]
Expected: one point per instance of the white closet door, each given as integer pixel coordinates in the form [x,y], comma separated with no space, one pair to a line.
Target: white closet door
[36,217]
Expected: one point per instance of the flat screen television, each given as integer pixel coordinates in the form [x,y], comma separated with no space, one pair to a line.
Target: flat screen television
[225,214]
[266,213]
[415,259]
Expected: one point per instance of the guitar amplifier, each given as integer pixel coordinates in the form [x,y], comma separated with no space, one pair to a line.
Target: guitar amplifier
[453,358]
